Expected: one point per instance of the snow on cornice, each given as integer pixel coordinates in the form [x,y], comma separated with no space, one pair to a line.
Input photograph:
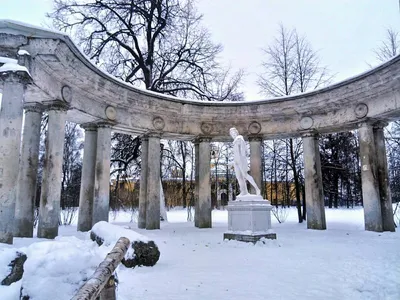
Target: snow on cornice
[13,67]
[5,60]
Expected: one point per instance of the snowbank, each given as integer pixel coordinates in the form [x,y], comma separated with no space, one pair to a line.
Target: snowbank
[56,269]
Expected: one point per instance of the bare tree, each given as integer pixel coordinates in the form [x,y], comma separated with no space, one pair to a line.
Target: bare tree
[156,44]
[159,45]
[279,77]
[292,66]
[389,47]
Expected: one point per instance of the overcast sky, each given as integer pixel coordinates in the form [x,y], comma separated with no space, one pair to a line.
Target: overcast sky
[344,32]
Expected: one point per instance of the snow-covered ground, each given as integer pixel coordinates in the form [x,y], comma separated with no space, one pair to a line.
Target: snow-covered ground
[342,262]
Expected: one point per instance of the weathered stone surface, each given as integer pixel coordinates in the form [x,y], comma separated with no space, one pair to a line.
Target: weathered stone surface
[373,95]
[369,179]
[85,216]
[153,183]
[17,269]
[335,108]
[255,161]
[50,196]
[143,183]
[10,139]
[388,223]
[313,183]
[28,166]
[203,186]
[101,195]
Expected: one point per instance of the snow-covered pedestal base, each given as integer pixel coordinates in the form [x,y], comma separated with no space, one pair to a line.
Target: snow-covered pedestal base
[249,219]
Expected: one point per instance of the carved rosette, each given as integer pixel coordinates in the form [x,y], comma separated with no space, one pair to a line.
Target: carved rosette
[306,122]
[206,128]
[158,123]
[361,110]
[111,113]
[66,93]
[254,127]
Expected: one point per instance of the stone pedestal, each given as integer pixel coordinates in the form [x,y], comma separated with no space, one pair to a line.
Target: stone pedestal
[249,219]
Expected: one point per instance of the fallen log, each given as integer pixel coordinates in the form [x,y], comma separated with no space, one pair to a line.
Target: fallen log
[95,284]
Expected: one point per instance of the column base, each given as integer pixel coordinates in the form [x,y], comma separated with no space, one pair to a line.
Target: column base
[248,237]
[249,219]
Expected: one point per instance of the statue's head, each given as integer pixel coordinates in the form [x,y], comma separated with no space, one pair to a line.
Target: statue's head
[233,132]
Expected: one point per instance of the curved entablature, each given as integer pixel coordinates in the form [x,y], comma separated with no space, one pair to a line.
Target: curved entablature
[61,72]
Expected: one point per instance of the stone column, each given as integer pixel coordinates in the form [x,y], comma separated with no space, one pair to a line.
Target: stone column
[14,84]
[101,205]
[143,183]
[49,212]
[153,182]
[255,161]
[313,183]
[369,179]
[196,143]
[203,173]
[383,178]
[85,216]
[28,167]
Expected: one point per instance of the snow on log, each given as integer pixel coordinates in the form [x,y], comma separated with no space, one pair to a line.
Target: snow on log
[93,287]
[143,252]
[16,269]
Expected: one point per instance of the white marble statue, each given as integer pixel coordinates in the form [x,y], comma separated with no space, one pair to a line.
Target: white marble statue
[240,163]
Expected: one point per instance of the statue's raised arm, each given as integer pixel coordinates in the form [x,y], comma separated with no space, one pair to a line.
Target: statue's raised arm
[240,163]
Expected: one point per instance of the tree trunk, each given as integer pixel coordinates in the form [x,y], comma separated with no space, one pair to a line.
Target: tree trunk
[95,284]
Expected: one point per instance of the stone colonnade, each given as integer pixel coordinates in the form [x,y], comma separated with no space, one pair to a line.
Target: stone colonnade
[18,184]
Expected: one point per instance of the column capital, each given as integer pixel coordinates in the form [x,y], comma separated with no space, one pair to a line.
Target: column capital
[370,122]
[380,124]
[20,75]
[144,137]
[153,134]
[105,124]
[89,126]
[56,105]
[201,139]
[255,138]
[306,134]
[33,107]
